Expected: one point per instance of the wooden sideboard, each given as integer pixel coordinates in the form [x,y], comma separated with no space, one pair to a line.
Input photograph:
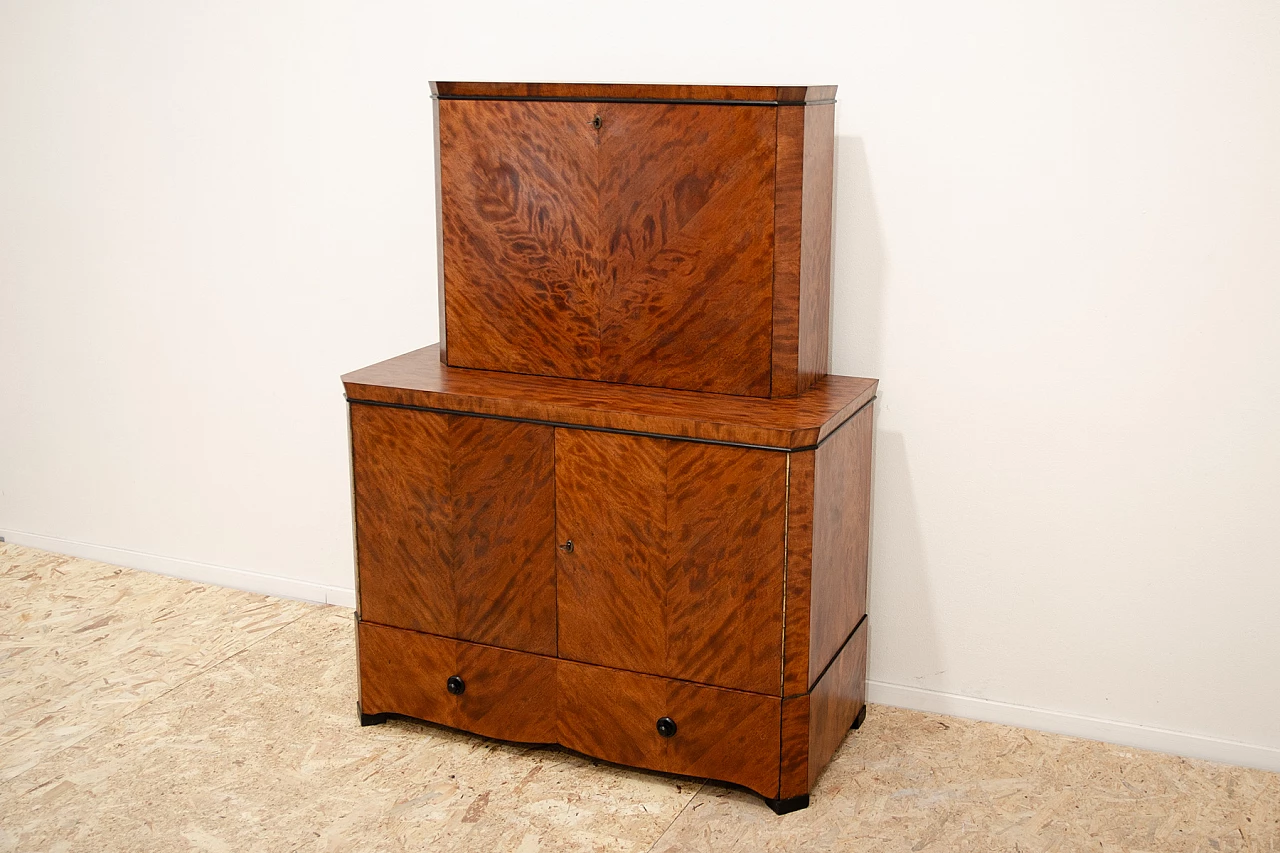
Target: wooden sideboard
[586,561]
[622,507]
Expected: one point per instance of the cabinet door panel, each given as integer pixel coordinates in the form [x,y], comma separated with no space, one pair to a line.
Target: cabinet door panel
[455,525]
[686,211]
[519,201]
[678,557]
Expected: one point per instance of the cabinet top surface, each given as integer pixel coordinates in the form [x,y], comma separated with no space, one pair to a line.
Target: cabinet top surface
[697,93]
[419,379]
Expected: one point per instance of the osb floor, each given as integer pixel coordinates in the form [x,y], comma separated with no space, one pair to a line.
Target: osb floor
[146,713]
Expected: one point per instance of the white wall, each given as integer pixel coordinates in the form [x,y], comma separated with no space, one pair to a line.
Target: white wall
[1057,241]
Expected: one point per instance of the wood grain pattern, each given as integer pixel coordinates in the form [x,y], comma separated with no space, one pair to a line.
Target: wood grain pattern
[842,496]
[520,231]
[419,379]
[787,225]
[435,128]
[721,734]
[638,251]
[813,360]
[455,525]
[506,695]
[648,91]
[835,700]
[793,776]
[795,664]
[686,198]
[677,562]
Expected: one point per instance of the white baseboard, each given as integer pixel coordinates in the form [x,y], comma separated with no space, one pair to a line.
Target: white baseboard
[1091,728]
[189,569]
[878,692]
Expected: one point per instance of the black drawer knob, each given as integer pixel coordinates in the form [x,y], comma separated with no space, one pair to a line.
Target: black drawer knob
[666,727]
[455,685]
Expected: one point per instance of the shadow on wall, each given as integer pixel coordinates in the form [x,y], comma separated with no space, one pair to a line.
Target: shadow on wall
[900,599]
[858,276]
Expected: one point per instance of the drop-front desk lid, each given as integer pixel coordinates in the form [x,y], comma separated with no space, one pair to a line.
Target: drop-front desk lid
[418,379]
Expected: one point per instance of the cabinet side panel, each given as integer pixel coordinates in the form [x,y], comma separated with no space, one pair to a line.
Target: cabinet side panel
[725,528]
[835,701]
[519,202]
[815,244]
[841,510]
[686,216]
[404,551]
[721,734]
[795,670]
[502,489]
[441,317]
[788,204]
[611,503]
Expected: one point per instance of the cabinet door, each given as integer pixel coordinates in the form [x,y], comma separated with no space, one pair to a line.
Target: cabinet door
[686,204]
[455,525]
[677,560]
[627,242]
[520,237]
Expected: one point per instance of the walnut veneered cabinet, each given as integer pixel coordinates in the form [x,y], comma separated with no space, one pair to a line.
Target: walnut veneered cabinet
[668,236]
[660,578]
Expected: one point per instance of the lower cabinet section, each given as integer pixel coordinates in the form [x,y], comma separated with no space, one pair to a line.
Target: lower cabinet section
[768,744]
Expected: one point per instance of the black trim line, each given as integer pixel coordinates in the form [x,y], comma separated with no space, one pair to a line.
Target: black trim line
[562,425]
[716,102]
[833,659]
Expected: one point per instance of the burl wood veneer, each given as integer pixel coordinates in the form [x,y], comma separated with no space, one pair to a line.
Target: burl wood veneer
[667,579]
[667,236]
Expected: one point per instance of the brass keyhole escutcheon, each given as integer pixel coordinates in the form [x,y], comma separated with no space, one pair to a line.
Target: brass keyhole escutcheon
[567,547]
[596,122]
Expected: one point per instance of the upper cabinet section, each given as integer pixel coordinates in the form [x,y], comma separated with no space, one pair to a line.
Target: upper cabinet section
[669,236]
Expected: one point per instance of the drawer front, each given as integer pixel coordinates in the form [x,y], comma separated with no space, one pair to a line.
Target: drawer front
[720,734]
[505,694]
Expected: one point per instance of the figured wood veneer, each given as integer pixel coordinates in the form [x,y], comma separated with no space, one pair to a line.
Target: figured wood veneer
[676,568]
[405,672]
[419,379]
[649,238]
[455,525]
[815,723]
[721,734]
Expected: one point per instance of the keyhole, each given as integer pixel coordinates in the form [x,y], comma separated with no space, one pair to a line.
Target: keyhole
[596,122]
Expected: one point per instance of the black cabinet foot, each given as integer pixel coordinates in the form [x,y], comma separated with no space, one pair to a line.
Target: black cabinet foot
[370,719]
[862,715]
[789,805]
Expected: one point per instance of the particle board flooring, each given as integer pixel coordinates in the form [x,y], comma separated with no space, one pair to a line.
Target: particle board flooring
[145,713]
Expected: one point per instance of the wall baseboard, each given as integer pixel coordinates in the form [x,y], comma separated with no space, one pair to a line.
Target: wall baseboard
[878,692]
[1091,728]
[189,569]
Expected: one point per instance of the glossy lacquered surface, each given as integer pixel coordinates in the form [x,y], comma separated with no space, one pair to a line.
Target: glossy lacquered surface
[646,239]
[419,379]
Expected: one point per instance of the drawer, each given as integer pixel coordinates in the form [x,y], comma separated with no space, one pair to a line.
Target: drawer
[720,734]
[504,693]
